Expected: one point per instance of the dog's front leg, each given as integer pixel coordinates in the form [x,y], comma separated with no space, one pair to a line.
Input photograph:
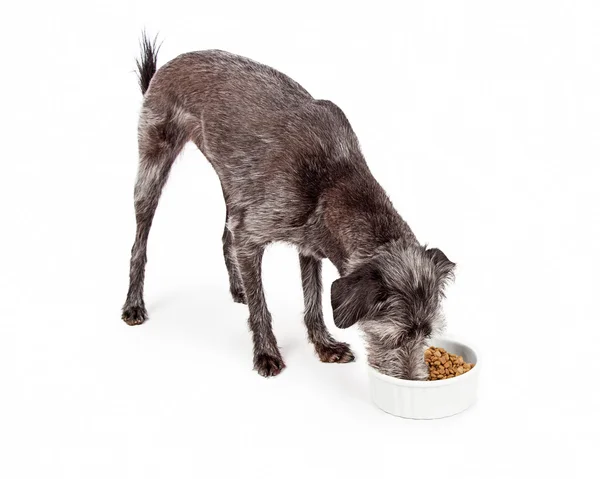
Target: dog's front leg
[267,358]
[328,349]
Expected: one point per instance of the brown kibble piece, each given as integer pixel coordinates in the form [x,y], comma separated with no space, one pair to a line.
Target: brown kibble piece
[444,365]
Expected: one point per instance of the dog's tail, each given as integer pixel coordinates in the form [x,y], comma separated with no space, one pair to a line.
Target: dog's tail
[146,64]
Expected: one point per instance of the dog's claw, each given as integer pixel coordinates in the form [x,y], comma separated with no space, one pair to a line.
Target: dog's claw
[134,315]
[267,365]
[334,353]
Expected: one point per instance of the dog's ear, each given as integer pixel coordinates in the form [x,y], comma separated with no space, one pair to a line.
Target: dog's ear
[355,295]
[443,265]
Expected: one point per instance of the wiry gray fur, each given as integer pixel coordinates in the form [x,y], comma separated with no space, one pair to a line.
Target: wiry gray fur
[291,170]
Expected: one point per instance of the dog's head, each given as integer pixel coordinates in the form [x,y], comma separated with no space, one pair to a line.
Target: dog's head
[395,297]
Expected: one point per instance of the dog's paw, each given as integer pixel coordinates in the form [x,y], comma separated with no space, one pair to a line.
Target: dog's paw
[268,365]
[134,315]
[238,296]
[334,352]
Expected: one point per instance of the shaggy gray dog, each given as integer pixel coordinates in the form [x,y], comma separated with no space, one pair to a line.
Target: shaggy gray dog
[291,170]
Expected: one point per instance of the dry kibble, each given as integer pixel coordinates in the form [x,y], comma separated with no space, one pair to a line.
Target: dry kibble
[443,365]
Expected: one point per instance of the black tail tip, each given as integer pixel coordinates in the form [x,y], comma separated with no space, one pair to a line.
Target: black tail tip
[146,64]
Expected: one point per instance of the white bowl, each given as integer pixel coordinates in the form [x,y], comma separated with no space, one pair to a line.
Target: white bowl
[428,399]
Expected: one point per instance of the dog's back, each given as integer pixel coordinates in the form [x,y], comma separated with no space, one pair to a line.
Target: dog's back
[199,79]
[237,107]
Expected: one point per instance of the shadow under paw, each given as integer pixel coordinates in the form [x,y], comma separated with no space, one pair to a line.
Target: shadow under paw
[267,365]
[334,352]
[134,315]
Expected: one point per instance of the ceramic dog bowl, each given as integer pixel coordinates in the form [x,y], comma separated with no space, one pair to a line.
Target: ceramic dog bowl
[428,399]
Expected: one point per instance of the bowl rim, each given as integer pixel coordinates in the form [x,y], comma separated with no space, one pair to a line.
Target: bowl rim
[410,383]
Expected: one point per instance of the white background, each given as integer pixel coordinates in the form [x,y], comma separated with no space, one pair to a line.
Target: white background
[480,119]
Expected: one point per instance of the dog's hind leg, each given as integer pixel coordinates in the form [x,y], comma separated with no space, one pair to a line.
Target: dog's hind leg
[161,139]
[328,349]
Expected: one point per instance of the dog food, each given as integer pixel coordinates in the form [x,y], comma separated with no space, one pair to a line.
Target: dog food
[443,365]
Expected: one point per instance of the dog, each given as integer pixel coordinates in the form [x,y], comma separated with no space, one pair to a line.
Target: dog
[292,171]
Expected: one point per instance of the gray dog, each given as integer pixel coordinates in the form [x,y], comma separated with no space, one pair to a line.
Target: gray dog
[291,170]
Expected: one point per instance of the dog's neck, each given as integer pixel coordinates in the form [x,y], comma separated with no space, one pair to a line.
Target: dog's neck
[361,220]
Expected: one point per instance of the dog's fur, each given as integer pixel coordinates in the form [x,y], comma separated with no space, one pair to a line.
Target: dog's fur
[291,170]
